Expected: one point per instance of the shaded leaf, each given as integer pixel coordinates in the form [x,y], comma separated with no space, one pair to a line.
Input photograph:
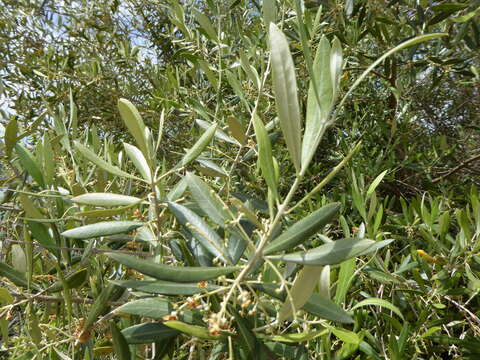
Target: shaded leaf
[10,136]
[16,277]
[30,164]
[101,304]
[209,168]
[302,230]
[147,333]
[207,199]
[164,287]
[192,330]
[102,213]
[120,345]
[316,304]
[199,146]
[200,229]
[236,129]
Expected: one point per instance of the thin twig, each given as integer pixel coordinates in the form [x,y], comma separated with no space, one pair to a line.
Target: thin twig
[456,168]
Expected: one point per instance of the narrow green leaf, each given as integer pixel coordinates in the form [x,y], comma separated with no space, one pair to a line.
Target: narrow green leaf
[90,155]
[164,287]
[120,345]
[467,16]
[192,330]
[199,146]
[148,332]
[10,136]
[265,156]
[285,91]
[302,230]
[316,304]
[347,336]
[330,253]
[155,308]
[207,199]
[200,229]
[206,25]
[302,289]
[376,182]
[139,161]
[134,123]
[318,108]
[172,273]
[101,229]
[105,199]
[379,302]
[30,164]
